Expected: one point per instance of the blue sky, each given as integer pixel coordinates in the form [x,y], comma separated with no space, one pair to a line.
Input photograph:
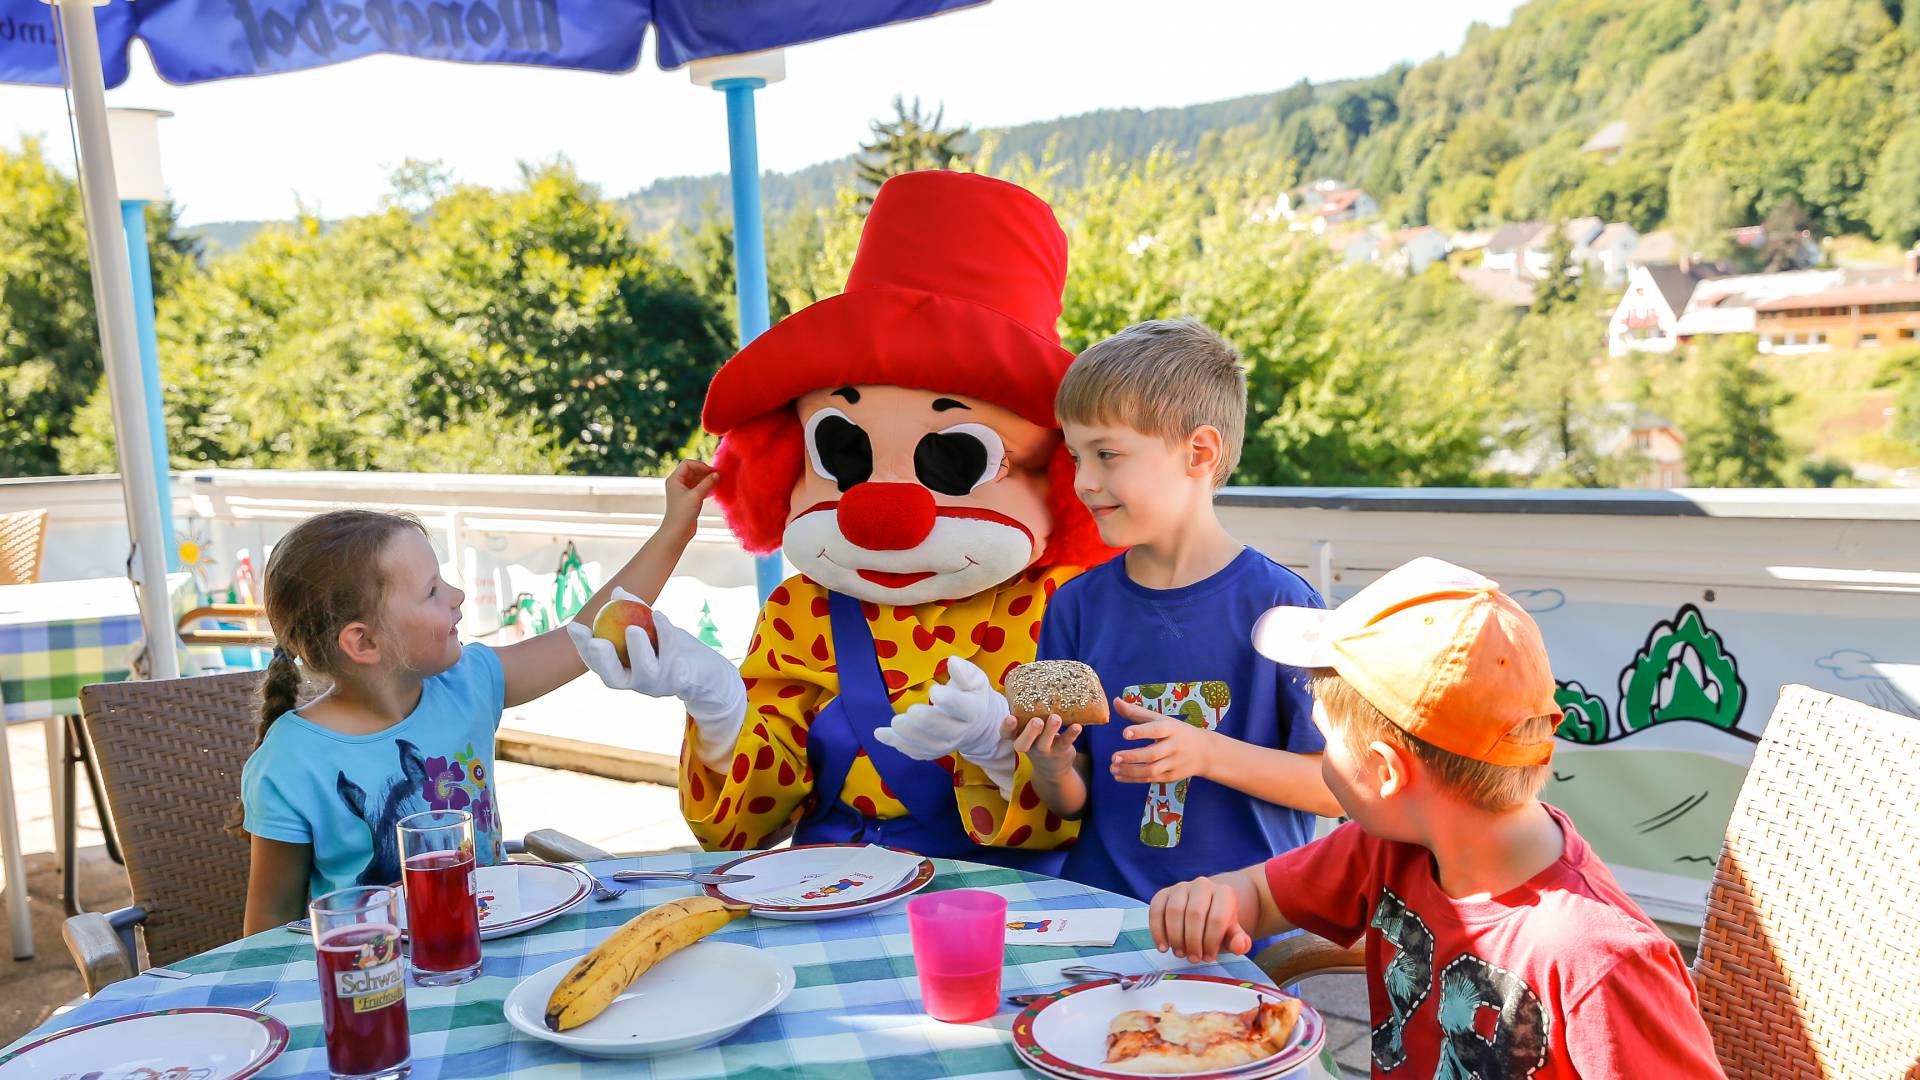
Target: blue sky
[251,148]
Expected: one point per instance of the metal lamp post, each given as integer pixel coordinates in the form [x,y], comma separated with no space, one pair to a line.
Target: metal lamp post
[738,77]
[135,134]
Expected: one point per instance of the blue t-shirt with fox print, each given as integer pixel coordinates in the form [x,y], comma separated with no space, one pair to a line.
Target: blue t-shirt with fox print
[343,793]
[1186,653]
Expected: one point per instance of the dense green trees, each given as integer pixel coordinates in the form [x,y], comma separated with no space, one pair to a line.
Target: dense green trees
[49,344]
[524,330]
[1728,416]
[528,330]
[1732,108]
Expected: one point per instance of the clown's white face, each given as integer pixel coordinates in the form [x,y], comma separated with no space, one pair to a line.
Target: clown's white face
[910,496]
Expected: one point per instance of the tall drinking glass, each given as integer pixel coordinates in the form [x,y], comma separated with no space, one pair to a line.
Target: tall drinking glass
[363,988]
[959,944]
[443,915]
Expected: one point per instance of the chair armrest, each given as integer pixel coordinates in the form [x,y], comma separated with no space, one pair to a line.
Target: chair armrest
[1303,955]
[98,950]
[555,846]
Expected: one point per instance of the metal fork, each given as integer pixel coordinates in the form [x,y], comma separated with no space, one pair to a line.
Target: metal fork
[1083,973]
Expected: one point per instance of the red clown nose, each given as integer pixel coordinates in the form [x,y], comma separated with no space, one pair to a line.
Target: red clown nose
[886,517]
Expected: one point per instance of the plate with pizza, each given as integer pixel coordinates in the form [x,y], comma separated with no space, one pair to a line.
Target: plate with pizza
[1199,1026]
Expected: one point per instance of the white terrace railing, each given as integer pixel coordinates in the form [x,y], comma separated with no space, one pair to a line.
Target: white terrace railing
[1673,616]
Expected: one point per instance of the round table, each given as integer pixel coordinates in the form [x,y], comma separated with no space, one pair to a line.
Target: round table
[856,1011]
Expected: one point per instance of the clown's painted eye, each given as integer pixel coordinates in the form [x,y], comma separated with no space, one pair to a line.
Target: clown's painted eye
[838,449]
[958,459]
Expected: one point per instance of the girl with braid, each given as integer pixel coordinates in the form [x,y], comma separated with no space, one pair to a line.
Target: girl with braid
[406,720]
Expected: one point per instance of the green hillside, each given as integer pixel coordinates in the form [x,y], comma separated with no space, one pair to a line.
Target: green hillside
[1733,110]
[1732,107]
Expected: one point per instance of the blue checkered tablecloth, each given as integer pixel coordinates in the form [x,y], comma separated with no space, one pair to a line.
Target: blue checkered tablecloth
[58,636]
[855,1014]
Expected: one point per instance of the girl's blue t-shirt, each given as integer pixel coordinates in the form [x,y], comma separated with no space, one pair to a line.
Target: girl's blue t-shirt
[343,794]
[1188,653]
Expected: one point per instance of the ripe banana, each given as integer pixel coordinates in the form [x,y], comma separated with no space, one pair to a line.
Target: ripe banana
[644,941]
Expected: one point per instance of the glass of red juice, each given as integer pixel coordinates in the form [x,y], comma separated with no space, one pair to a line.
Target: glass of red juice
[443,914]
[959,946]
[363,984]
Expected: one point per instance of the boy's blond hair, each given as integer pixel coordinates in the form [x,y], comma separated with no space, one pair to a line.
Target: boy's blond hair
[1489,787]
[1168,378]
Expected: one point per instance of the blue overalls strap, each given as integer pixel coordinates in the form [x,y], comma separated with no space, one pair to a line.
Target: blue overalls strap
[924,788]
[847,725]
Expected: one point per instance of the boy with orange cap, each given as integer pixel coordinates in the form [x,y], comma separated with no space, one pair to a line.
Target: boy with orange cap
[1498,945]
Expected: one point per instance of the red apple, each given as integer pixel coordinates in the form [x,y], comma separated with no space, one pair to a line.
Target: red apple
[612,622]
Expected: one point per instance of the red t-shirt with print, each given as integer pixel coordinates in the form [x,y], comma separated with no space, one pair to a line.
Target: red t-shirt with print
[1559,978]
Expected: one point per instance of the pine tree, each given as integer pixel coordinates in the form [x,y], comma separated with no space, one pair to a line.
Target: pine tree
[909,142]
[1561,287]
[1727,416]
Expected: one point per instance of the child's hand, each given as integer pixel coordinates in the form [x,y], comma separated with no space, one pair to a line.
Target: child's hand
[1198,920]
[1045,742]
[1179,749]
[687,487]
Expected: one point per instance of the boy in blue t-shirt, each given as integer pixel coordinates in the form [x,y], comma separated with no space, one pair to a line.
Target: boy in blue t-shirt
[1212,755]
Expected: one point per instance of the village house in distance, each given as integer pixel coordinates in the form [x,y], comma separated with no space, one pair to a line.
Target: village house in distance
[1667,305]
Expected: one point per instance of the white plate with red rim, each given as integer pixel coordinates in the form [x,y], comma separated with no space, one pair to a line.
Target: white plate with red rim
[205,1043]
[515,897]
[792,863]
[695,997]
[1065,1034]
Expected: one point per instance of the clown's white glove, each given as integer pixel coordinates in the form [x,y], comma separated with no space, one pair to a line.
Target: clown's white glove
[706,682]
[960,716]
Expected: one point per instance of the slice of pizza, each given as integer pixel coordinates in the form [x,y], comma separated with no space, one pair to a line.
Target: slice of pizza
[1170,1041]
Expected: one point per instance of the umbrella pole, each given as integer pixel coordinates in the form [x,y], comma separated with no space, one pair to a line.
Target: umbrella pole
[119,341]
[749,251]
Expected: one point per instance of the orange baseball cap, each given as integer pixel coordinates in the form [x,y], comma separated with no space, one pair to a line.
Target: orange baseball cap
[1439,649]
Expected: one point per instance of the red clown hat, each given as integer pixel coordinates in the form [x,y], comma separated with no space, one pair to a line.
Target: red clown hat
[955,288]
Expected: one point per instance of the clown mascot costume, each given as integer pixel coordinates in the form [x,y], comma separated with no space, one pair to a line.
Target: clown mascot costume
[899,440]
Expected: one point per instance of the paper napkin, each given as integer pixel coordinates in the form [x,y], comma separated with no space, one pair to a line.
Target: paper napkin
[866,872]
[1092,927]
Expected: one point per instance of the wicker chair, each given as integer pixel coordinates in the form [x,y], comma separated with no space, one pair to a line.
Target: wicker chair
[1807,965]
[171,751]
[23,539]
[1807,968]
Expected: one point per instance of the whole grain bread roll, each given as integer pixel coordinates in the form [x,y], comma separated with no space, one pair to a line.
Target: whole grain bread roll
[1067,688]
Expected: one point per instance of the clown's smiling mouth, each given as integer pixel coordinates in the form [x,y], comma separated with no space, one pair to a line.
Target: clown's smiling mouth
[893,579]
[889,580]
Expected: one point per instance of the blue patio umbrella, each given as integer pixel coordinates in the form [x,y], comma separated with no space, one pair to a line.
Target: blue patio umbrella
[190,41]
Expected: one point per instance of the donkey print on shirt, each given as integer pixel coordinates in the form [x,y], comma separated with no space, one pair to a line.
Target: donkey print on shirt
[400,796]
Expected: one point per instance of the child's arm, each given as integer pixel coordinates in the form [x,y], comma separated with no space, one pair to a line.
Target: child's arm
[276,884]
[539,665]
[1179,750]
[1059,773]
[1198,920]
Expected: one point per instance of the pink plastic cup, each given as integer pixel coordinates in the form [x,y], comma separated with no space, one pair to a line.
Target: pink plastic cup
[959,947]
